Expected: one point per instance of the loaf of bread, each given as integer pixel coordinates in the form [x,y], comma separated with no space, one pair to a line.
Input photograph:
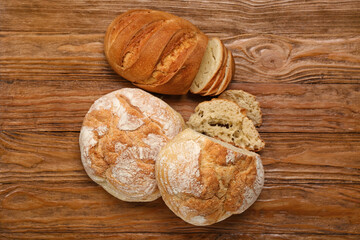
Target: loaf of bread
[155,50]
[247,101]
[216,70]
[204,180]
[227,121]
[120,139]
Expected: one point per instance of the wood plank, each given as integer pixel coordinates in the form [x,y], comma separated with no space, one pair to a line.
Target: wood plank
[53,157]
[82,207]
[166,236]
[62,105]
[259,58]
[286,17]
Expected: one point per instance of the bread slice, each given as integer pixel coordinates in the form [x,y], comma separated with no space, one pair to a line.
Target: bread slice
[247,101]
[211,63]
[227,121]
[223,80]
[228,76]
[217,78]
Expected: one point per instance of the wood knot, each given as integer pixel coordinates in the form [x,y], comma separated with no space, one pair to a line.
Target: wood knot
[20,200]
[269,55]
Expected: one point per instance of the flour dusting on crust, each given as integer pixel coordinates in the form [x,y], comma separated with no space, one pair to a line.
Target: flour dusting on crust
[102,130]
[183,174]
[87,141]
[252,193]
[230,156]
[156,110]
[196,184]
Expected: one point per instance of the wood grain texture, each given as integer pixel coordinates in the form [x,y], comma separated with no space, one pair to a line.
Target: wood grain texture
[259,58]
[175,236]
[60,106]
[287,158]
[228,18]
[43,207]
[300,58]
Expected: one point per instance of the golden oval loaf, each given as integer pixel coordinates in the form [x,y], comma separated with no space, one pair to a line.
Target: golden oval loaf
[155,50]
[120,138]
[204,180]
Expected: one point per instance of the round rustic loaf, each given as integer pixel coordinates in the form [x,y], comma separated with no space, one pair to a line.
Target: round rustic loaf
[120,139]
[204,180]
[155,50]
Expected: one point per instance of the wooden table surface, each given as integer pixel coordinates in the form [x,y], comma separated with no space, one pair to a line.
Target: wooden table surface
[300,58]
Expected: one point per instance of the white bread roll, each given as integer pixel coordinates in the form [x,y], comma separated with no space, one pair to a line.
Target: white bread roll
[120,139]
[204,180]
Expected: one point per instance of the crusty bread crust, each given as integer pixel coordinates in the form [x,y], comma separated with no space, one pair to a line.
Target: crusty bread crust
[179,78]
[154,49]
[120,138]
[204,181]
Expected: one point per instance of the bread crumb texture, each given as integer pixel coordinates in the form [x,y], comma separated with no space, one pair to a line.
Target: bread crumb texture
[247,101]
[204,181]
[227,121]
[120,139]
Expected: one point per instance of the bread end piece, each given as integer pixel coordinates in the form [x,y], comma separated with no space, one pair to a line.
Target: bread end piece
[247,101]
[225,120]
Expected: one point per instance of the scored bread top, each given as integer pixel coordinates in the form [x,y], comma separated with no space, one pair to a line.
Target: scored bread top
[203,180]
[120,138]
[210,65]
[225,120]
[247,101]
[149,48]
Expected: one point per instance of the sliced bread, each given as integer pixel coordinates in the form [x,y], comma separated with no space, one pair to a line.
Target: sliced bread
[230,71]
[247,101]
[224,78]
[217,79]
[210,65]
[227,121]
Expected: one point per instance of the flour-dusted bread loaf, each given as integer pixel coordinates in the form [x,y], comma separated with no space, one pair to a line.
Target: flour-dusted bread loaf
[225,120]
[155,50]
[204,180]
[120,139]
[247,101]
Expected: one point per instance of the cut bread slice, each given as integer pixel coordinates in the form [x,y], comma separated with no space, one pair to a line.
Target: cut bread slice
[217,78]
[228,76]
[247,101]
[227,121]
[225,77]
[211,63]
